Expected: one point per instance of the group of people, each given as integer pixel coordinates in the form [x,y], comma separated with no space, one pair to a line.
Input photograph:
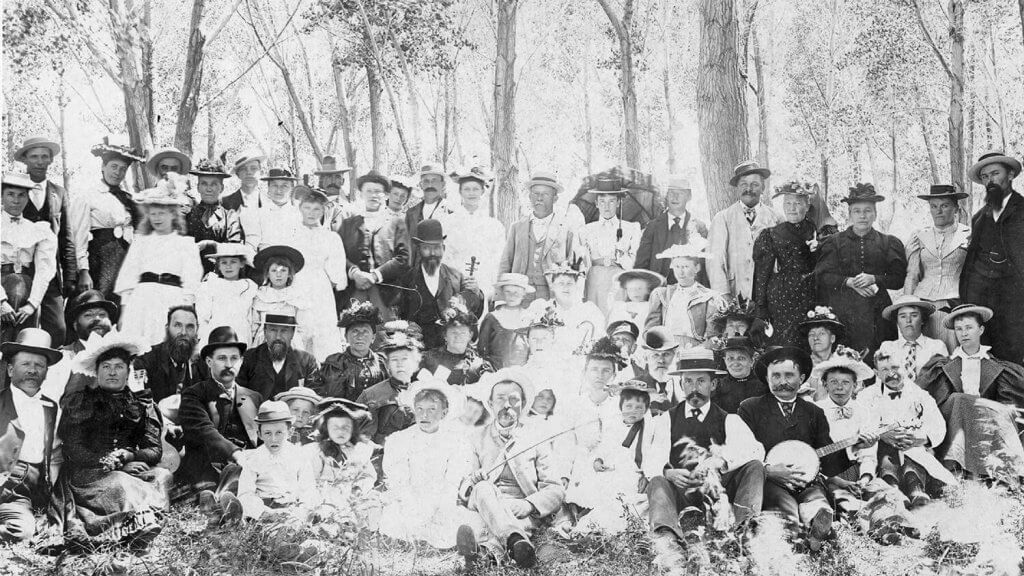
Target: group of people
[288,346]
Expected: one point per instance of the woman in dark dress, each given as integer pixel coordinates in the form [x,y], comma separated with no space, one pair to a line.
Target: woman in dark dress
[110,491]
[346,374]
[856,269]
[209,222]
[784,258]
[458,354]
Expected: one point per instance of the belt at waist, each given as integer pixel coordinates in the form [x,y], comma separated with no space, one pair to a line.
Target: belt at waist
[125,233]
[11,268]
[165,279]
[603,262]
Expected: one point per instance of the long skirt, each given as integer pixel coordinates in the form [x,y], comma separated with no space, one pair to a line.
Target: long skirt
[976,430]
[319,322]
[101,508]
[106,253]
[598,284]
[790,296]
[144,311]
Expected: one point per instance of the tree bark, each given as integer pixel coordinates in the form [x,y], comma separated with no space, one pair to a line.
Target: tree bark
[345,122]
[627,82]
[505,198]
[188,102]
[1020,7]
[932,165]
[721,110]
[412,100]
[376,122]
[762,102]
[62,104]
[211,134]
[134,80]
[588,134]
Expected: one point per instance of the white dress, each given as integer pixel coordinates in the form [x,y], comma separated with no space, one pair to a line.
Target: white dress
[221,302]
[325,271]
[285,302]
[144,305]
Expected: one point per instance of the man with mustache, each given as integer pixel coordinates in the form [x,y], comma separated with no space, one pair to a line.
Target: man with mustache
[782,415]
[88,313]
[722,455]
[434,205]
[332,181]
[676,225]
[659,350]
[733,231]
[993,271]
[217,416]
[274,366]
[430,285]
[169,367]
[514,485]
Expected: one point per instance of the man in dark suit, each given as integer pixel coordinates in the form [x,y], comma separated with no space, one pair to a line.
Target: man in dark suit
[993,271]
[674,226]
[248,168]
[169,367]
[781,416]
[430,285]
[49,202]
[274,366]
[217,416]
[27,420]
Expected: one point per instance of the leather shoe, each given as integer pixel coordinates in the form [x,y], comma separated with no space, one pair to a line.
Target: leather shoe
[522,551]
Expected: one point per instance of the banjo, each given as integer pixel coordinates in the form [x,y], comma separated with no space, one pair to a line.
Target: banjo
[807,460]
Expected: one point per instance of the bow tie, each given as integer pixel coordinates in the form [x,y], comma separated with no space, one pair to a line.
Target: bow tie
[14,219]
[749,211]
[843,412]
[895,395]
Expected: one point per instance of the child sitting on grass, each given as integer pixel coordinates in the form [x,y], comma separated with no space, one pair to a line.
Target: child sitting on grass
[277,478]
[302,402]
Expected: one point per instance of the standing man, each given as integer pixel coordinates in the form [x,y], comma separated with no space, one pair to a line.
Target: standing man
[540,243]
[471,231]
[911,350]
[276,221]
[274,366]
[27,421]
[168,160]
[430,285]
[49,202]
[248,168]
[434,205]
[733,231]
[674,226]
[29,259]
[993,272]
[332,182]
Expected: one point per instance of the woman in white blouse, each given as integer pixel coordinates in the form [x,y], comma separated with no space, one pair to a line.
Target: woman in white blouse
[608,245]
[104,219]
[162,268]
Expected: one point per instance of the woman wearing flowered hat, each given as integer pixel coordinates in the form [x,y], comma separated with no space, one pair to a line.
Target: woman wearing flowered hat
[457,355]
[162,267]
[784,259]
[582,320]
[104,218]
[346,374]
[822,331]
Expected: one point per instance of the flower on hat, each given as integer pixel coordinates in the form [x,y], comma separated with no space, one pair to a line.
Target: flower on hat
[545,317]
[847,352]
[360,312]
[794,187]
[169,191]
[821,313]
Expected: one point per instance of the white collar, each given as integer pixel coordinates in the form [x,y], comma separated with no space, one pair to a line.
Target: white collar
[703,410]
[982,353]
[10,219]
[543,220]
[23,397]
[903,341]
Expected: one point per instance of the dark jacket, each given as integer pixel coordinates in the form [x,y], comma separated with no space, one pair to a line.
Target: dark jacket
[58,203]
[213,429]
[417,304]
[388,415]
[217,223]
[1011,222]
[159,378]
[465,368]
[342,375]
[258,374]
[97,422]
[808,424]
[12,436]
[233,201]
[358,241]
[655,240]
[1000,381]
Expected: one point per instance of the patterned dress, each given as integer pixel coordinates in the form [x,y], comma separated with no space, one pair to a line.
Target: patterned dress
[784,286]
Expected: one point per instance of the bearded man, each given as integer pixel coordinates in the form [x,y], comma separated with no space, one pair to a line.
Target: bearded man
[171,366]
[274,366]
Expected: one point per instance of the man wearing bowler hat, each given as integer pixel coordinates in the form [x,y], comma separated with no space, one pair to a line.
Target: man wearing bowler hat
[274,366]
[676,225]
[994,269]
[430,285]
[49,202]
[733,231]
[27,421]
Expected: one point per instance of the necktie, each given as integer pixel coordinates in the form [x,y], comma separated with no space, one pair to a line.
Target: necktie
[895,395]
[637,429]
[675,224]
[910,361]
[695,413]
[750,214]
[787,408]
[843,412]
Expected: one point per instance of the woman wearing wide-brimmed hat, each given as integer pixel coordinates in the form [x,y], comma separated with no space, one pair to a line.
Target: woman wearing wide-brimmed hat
[935,258]
[686,308]
[162,267]
[635,287]
[784,259]
[347,373]
[104,218]
[277,266]
[822,331]
[111,491]
[608,245]
[209,221]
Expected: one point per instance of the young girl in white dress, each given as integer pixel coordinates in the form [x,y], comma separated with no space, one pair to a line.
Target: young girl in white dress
[225,298]
[162,268]
[277,266]
[633,299]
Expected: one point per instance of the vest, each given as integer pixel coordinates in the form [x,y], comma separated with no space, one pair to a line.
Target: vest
[990,239]
[535,266]
[34,214]
[712,429]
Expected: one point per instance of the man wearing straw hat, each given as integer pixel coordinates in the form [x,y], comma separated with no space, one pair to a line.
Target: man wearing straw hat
[27,422]
[434,204]
[247,168]
[993,272]
[49,202]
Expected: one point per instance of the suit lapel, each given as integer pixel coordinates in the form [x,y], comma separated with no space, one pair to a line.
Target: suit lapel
[952,369]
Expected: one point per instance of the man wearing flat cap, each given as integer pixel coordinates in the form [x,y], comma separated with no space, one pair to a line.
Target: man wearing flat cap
[733,231]
[674,226]
[993,272]
[49,202]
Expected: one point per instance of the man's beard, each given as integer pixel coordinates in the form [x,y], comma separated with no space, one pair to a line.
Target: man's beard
[100,326]
[181,347]
[431,264]
[278,350]
[994,195]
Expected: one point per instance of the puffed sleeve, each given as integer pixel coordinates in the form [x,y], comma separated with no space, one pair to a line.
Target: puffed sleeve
[914,271]
[80,209]
[336,265]
[149,448]
[895,265]
[764,268]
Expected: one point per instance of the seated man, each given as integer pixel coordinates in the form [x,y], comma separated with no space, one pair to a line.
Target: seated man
[740,383]
[29,260]
[904,453]
[659,349]
[218,418]
[27,425]
[780,416]
[512,487]
[275,366]
[721,460]
[169,367]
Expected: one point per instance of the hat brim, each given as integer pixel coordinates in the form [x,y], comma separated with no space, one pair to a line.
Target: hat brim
[872,199]
[985,313]
[273,419]
[9,349]
[281,251]
[653,278]
[862,370]
[836,326]
[888,311]
[1013,163]
[246,160]
[679,371]
[153,163]
[112,309]
[802,357]
[271,178]
[529,289]
[288,397]
[205,350]
[19,155]
[951,195]
[557,187]
[763,172]
[422,241]
[343,170]
[221,175]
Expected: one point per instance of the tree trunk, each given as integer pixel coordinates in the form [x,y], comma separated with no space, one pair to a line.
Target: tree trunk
[823,175]
[505,198]
[932,165]
[346,125]
[135,83]
[762,102]
[588,134]
[376,122]
[670,117]
[1020,7]
[967,205]
[211,134]
[411,102]
[188,101]
[957,170]
[62,104]
[721,109]
[627,82]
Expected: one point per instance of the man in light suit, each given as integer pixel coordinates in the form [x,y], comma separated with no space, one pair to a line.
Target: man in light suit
[733,231]
[514,485]
[430,285]
[540,243]
[674,226]
[48,202]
